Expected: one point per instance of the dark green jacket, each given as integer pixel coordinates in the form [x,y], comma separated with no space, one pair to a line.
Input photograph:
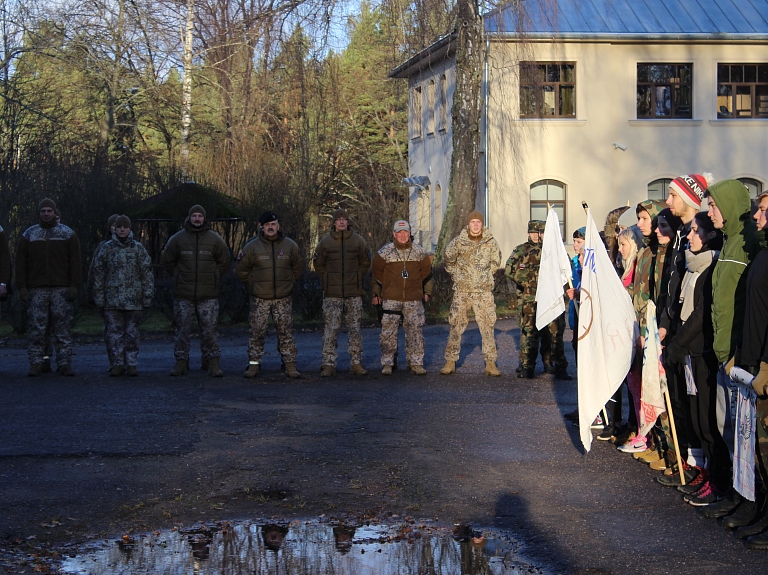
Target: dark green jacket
[196,259]
[270,268]
[341,260]
[729,278]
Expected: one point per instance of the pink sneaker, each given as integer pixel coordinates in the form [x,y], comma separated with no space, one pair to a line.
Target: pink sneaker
[634,445]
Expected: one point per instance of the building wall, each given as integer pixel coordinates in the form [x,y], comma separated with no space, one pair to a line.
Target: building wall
[580,152]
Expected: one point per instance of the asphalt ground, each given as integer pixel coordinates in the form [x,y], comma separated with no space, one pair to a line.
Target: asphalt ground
[92,456]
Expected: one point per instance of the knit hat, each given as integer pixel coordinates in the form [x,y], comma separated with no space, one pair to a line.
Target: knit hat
[401,226]
[340,213]
[268,217]
[691,188]
[581,233]
[111,220]
[47,203]
[123,222]
[196,209]
[476,216]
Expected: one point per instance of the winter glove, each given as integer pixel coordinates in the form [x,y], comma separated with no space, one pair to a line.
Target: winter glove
[71,294]
[674,354]
[760,383]
[24,295]
[733,362]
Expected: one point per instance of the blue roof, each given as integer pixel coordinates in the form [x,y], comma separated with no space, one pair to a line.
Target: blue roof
[725,19]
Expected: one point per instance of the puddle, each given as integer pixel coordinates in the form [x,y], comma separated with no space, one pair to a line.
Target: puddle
[419,547]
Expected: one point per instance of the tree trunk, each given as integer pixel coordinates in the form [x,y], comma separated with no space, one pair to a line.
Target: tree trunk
[466,114]
[186,96]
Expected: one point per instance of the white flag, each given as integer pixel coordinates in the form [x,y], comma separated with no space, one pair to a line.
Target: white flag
[554,273]
[654,387]
[607,328]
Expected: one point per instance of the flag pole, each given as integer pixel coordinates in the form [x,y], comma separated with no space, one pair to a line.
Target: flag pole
[674,437]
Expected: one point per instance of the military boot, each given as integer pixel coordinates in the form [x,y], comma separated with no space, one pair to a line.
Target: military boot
[290,370]
[562,374]
[214,367]
[418,370]
[204,365]
[66,370]
[329,371]
[35,370]
[131,371]
[116,371]
[180,368]
[357,369]
[253,369]
[525,373]
[46,365]
[386,370]
[491,369]
[448,368]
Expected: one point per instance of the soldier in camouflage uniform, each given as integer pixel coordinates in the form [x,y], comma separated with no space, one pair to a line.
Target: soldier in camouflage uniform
[5,265]
[472,258]
[342,259]
[402,274]
[123,285]
[196,258]
[523,265]
[270,265]
[48,274]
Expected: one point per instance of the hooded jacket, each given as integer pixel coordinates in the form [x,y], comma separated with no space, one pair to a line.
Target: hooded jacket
[473,264]
[341,260]
[196,258]
[48,256]
[754,349]
[729,277]
[650,263]
[122,275]
[270,268]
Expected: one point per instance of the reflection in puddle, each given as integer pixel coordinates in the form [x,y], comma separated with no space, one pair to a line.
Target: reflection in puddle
[307,548]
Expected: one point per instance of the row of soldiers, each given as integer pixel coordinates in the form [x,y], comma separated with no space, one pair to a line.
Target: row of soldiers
[49,277]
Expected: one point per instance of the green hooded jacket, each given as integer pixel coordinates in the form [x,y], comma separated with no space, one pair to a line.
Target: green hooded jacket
[729,278]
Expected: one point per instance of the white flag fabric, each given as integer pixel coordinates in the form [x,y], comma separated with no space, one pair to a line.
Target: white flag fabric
[607,328]
[652,403]
[554,273]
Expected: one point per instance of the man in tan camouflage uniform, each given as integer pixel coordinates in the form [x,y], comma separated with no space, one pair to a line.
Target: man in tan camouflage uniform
[48,274]
[341,260]
[123,285]
[402,274]
[196,258]
[270,265]
[472,258]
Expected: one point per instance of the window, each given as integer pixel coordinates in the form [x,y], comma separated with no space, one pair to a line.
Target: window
[659,189]
[547,90]
[754,186]
[443,103]
[550,191]
[742,90]
[664,91]
[431,107]
[416,116]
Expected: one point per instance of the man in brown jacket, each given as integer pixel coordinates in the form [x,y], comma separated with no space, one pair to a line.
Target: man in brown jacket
[270,265]
[402,273]
[48,274]
[341,260]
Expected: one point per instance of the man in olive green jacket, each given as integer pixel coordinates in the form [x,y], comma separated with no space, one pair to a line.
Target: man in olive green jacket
[196,258]
[341,260]
[270,265]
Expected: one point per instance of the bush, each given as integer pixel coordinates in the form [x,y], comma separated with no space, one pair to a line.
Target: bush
[308,296]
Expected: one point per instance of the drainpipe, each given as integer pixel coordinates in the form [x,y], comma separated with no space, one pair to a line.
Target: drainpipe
[485,120]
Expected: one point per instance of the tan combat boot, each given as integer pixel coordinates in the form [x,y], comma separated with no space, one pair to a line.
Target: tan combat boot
[180,368]
[290,370]
[491,369]
[253,369]
[357,369]
[448,368]
[418,370]
[386,370]
[328,371]
[214,367]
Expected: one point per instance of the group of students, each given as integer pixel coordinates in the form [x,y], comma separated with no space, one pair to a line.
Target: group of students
[706,272]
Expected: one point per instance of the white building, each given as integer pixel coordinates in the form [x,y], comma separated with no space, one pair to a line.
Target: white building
[603,101]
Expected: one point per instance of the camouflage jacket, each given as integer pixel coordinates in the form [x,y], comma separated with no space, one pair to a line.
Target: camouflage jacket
[471,264]
[525,269]
[122,275]
[647,281]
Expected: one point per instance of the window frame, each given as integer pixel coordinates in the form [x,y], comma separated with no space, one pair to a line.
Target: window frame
[526,69]
[443,115]
[654,87]
[431,103]
[552,202]
[664,188]
[754,89]
[417,110]
[758,184]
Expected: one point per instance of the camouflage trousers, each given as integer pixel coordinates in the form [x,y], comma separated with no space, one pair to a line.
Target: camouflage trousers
[121,331]
[550,340]
[282,314]
[207,313]
[333,308]
[49,304]
[485,315]
[412,313]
